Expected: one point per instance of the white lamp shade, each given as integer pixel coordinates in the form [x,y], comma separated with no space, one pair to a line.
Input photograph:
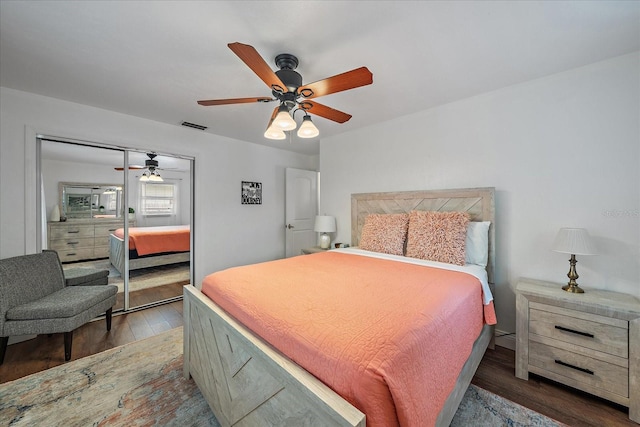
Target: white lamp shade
[274,133]
[325,224]
[575,241]
[308,129]
[284,121]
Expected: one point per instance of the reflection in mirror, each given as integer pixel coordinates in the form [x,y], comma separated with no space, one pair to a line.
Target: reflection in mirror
[94,191]
[90,200]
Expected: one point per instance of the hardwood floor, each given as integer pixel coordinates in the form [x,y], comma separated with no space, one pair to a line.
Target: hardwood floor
[44,352]
[150,295]
[496,372]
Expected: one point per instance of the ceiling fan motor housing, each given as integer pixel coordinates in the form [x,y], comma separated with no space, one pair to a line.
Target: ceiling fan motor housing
[291,79]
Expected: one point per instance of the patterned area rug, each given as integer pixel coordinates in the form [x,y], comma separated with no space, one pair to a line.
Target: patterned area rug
[142,384]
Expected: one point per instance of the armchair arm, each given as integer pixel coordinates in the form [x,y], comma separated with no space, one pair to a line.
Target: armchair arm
[86,277]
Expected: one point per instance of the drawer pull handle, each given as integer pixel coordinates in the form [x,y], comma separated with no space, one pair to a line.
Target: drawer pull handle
[584,334]
[71,254]
[72,243]
[112,229]
[568,365]
[73,232]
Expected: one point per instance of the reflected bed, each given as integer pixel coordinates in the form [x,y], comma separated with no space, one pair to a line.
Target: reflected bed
[150,246]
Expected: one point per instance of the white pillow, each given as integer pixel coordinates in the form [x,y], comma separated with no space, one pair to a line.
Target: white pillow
[477,243]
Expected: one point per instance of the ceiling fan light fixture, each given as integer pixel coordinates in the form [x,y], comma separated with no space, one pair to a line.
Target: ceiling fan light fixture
[283,119]
[307,128]
[274,133]
[145,176]
[155,177]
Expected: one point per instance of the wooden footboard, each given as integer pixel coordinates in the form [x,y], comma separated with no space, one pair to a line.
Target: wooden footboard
[116,257]
[249,383]
[245,379]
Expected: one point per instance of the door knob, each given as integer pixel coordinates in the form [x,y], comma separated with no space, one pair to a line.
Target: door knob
[289,226]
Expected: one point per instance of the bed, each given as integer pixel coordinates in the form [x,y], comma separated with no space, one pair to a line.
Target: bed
[150,246]
[253,373]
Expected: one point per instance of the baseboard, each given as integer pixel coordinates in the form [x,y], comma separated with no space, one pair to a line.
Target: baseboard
[506,339]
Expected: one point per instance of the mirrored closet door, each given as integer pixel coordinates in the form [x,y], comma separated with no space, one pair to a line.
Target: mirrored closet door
[123,210]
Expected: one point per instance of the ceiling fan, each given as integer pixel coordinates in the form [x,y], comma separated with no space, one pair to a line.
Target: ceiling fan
[151,165]
[287,88]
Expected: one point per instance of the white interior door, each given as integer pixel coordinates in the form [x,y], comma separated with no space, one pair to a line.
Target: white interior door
[301,208]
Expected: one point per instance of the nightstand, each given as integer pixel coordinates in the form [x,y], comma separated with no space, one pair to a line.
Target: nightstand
[313,250]
[588,341]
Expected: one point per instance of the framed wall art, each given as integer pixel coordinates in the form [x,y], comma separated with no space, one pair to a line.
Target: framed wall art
[251,193]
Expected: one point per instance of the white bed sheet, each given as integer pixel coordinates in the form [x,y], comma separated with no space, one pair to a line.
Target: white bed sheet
[475,270]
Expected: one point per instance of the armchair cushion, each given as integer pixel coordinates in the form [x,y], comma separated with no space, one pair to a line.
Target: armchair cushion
[67,302]
[86,277]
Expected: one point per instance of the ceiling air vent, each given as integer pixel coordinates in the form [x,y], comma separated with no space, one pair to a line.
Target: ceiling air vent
[193,125]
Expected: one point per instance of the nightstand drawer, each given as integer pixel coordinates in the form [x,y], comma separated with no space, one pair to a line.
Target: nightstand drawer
[580,368]
[595,332]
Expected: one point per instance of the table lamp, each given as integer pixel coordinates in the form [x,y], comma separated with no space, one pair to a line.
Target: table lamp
[325,224]
[574,241]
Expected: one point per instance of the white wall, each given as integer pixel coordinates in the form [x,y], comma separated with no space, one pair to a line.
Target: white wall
[227,233]
[561,151]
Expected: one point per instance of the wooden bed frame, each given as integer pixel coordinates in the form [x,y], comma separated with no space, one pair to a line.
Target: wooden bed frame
[117,253]
[247,382]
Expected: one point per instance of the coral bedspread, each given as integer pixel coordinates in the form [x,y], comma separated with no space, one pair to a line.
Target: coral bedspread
[389,337]
[154,240]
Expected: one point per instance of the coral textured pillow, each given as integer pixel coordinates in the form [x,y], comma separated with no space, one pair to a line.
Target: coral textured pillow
[384,233]
[437,236]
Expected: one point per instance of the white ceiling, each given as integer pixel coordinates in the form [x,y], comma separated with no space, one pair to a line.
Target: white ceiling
[155,59]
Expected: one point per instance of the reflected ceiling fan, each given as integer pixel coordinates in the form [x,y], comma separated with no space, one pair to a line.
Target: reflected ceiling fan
[151,165]
[287,88]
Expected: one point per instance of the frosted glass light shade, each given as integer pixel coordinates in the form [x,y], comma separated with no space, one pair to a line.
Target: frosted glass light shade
[575,241]
[307,128]
[284,121]
[155,177]
[274,133]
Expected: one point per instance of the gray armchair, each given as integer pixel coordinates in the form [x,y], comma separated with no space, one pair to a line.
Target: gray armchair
[36,298]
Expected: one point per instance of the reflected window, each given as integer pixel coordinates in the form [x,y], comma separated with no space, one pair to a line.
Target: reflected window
[157,199]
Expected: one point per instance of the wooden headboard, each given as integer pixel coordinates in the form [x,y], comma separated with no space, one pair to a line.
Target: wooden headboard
[478,202]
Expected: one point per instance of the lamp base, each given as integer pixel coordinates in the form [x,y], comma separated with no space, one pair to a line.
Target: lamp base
[325,241]
[573,288]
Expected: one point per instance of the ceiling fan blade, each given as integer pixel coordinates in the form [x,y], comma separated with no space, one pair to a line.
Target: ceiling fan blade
[131,167]
[252,58]
[338,83]
[324,111]
[273,116]
[234,101]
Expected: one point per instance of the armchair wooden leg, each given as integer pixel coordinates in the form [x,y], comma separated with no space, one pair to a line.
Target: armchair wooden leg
[108,317]
[3,348]
[68,339]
